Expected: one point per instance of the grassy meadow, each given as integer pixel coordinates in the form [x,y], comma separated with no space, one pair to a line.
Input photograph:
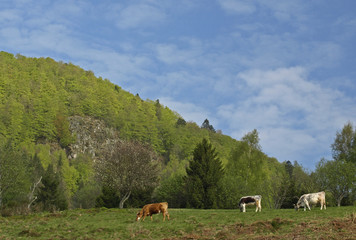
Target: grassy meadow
[334,223]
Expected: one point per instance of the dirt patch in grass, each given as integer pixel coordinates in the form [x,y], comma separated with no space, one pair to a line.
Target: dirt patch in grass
[278,228]
[341,228]
[29,233]
[237,231]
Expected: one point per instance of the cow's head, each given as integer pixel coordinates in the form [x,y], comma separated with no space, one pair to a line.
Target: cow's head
[241,207]
[296,207]
[138,216]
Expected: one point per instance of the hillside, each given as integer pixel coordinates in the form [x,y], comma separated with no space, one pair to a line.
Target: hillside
[39,94]
[56,117]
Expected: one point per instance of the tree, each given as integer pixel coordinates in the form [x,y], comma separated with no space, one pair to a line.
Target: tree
[50,194]
[277,186]
[158,110]
[298,182]
[108,198]
[285,192]
[252,139]
[181,122]
[126,166]
[171,190]
[88,187]
[206,125]
[336,176]
[37,173]
[252,159]
[14,181]
[204,174]
[344,146]
[344,154]
[62,129]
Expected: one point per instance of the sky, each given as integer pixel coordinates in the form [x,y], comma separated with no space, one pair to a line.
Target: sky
[284,68]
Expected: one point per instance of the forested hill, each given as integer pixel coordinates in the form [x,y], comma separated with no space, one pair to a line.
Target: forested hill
[69,139]
[57,111]
[61,114]
[39,94]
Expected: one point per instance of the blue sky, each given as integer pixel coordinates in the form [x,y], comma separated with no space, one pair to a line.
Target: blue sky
[285,68]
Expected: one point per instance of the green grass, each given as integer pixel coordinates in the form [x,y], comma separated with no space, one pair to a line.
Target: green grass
[334,223]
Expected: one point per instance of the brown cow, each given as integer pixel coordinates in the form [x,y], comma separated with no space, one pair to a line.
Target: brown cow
[153,208]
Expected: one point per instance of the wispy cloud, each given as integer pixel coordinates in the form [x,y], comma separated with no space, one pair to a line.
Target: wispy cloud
[291,112]
[281,10]
[138,15]
[238,7]
[171,54]
[8,16]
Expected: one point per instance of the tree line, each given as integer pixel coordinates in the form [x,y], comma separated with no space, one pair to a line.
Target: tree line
[157,155]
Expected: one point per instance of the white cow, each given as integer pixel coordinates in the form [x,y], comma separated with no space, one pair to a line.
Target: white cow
[250,200]
[311,199]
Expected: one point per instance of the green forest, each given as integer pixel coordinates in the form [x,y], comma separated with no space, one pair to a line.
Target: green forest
[69,139]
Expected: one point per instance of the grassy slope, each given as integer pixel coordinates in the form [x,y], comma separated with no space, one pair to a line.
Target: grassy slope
[334,223]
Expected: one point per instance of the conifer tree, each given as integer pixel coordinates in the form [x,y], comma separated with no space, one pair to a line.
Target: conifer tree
[203,176]
[50,195]
[37,173]
[13,176]
[109,198]
[207,125]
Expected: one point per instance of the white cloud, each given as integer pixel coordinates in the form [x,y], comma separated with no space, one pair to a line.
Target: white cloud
[296,117]
[281,10]
[138,15]
[238,6]
[291,144]
[171,54]
[286,10]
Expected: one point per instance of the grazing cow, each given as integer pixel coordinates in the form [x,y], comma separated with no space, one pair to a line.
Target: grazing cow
[311,199]
[250,200]
[153,208]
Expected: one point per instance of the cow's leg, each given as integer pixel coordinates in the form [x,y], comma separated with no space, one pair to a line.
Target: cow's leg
[259,205]
[165,213]
[308,206]
[243,207]
[256,206]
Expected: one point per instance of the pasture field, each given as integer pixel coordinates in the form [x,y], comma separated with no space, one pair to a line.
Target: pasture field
[334,223]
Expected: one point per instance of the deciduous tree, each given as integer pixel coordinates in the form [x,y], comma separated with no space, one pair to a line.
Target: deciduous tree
[344,146]
[338,177]
[126,166]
